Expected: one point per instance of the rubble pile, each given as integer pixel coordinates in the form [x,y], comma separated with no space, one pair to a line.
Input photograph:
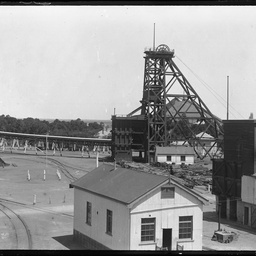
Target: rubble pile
[188,175]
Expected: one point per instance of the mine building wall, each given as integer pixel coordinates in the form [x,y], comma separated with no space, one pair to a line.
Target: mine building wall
[129,134]
[239,160]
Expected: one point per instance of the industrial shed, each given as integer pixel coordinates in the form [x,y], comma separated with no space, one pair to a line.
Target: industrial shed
[125,209]
[175,155]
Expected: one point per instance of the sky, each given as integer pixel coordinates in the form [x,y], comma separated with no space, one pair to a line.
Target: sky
[69,62]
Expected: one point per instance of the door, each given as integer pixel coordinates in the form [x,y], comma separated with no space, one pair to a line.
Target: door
[167,238]
[253,216]
[233,209]
[246,215]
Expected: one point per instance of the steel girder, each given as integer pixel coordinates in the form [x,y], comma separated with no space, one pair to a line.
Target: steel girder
[174,110]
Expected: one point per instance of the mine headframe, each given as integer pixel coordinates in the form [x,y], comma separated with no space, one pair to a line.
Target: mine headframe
[174,111]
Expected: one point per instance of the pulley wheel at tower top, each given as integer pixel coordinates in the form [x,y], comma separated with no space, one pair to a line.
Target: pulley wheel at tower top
[162,48]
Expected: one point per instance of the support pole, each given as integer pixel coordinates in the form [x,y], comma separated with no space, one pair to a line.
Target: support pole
[28,176]
[25,146]
[88,151]
[58,174]
[97,158]
[227,97]
[3,143]
[154,38]
[34,201]
[82,151]
[219,207]
[61,148]
[13,143]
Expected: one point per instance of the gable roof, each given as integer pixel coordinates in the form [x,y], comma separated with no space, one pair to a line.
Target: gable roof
[175,150]
[186,107]
[125,185]
[189,190]
[204,135]
[121,184]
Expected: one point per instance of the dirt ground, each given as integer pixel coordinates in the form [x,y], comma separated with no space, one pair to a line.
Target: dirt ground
[245,235]
[47,205]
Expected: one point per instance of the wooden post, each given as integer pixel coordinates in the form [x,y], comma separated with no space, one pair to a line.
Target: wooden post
[58,174]
[97,158]
[34,202]
[219,207]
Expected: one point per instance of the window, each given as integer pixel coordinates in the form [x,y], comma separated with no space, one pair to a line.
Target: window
[148,229]
[109,222]
[89,213]
[167,192]
[183,158]
[186,227]
[169,158]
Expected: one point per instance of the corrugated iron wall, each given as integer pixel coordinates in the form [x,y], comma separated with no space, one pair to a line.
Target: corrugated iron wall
[128,134]
[239,150]
[239,143]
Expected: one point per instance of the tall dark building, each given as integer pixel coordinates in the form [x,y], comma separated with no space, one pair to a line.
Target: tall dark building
[233,176]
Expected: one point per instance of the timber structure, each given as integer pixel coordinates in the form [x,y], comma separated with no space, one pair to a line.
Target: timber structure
[171,112]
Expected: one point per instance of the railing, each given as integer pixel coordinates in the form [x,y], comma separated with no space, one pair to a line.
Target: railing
[151,49]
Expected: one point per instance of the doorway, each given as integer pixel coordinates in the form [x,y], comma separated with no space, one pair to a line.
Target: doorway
[233,209]
[167,238]
[246,215]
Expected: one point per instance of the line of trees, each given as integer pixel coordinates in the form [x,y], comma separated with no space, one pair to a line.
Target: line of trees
[73,128]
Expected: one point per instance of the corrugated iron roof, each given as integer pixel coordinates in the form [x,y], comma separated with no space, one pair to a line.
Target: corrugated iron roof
[175,150]
[184,107]
[124,185]
[204,135]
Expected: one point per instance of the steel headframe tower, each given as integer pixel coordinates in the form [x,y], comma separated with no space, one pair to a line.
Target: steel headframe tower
[173,109]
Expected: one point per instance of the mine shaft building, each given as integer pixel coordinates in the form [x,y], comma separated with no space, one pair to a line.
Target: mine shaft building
[234,176]
[170,112]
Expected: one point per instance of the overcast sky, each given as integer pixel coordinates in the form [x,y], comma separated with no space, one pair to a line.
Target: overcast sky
[70,62]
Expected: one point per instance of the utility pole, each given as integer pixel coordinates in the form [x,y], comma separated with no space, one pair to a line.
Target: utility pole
[46,138]
[219,206]
[227,96]
[154,38]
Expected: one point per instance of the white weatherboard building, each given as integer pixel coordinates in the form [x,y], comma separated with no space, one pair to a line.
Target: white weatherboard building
[175,154]
[208,143]
[246,208]
[124,209]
